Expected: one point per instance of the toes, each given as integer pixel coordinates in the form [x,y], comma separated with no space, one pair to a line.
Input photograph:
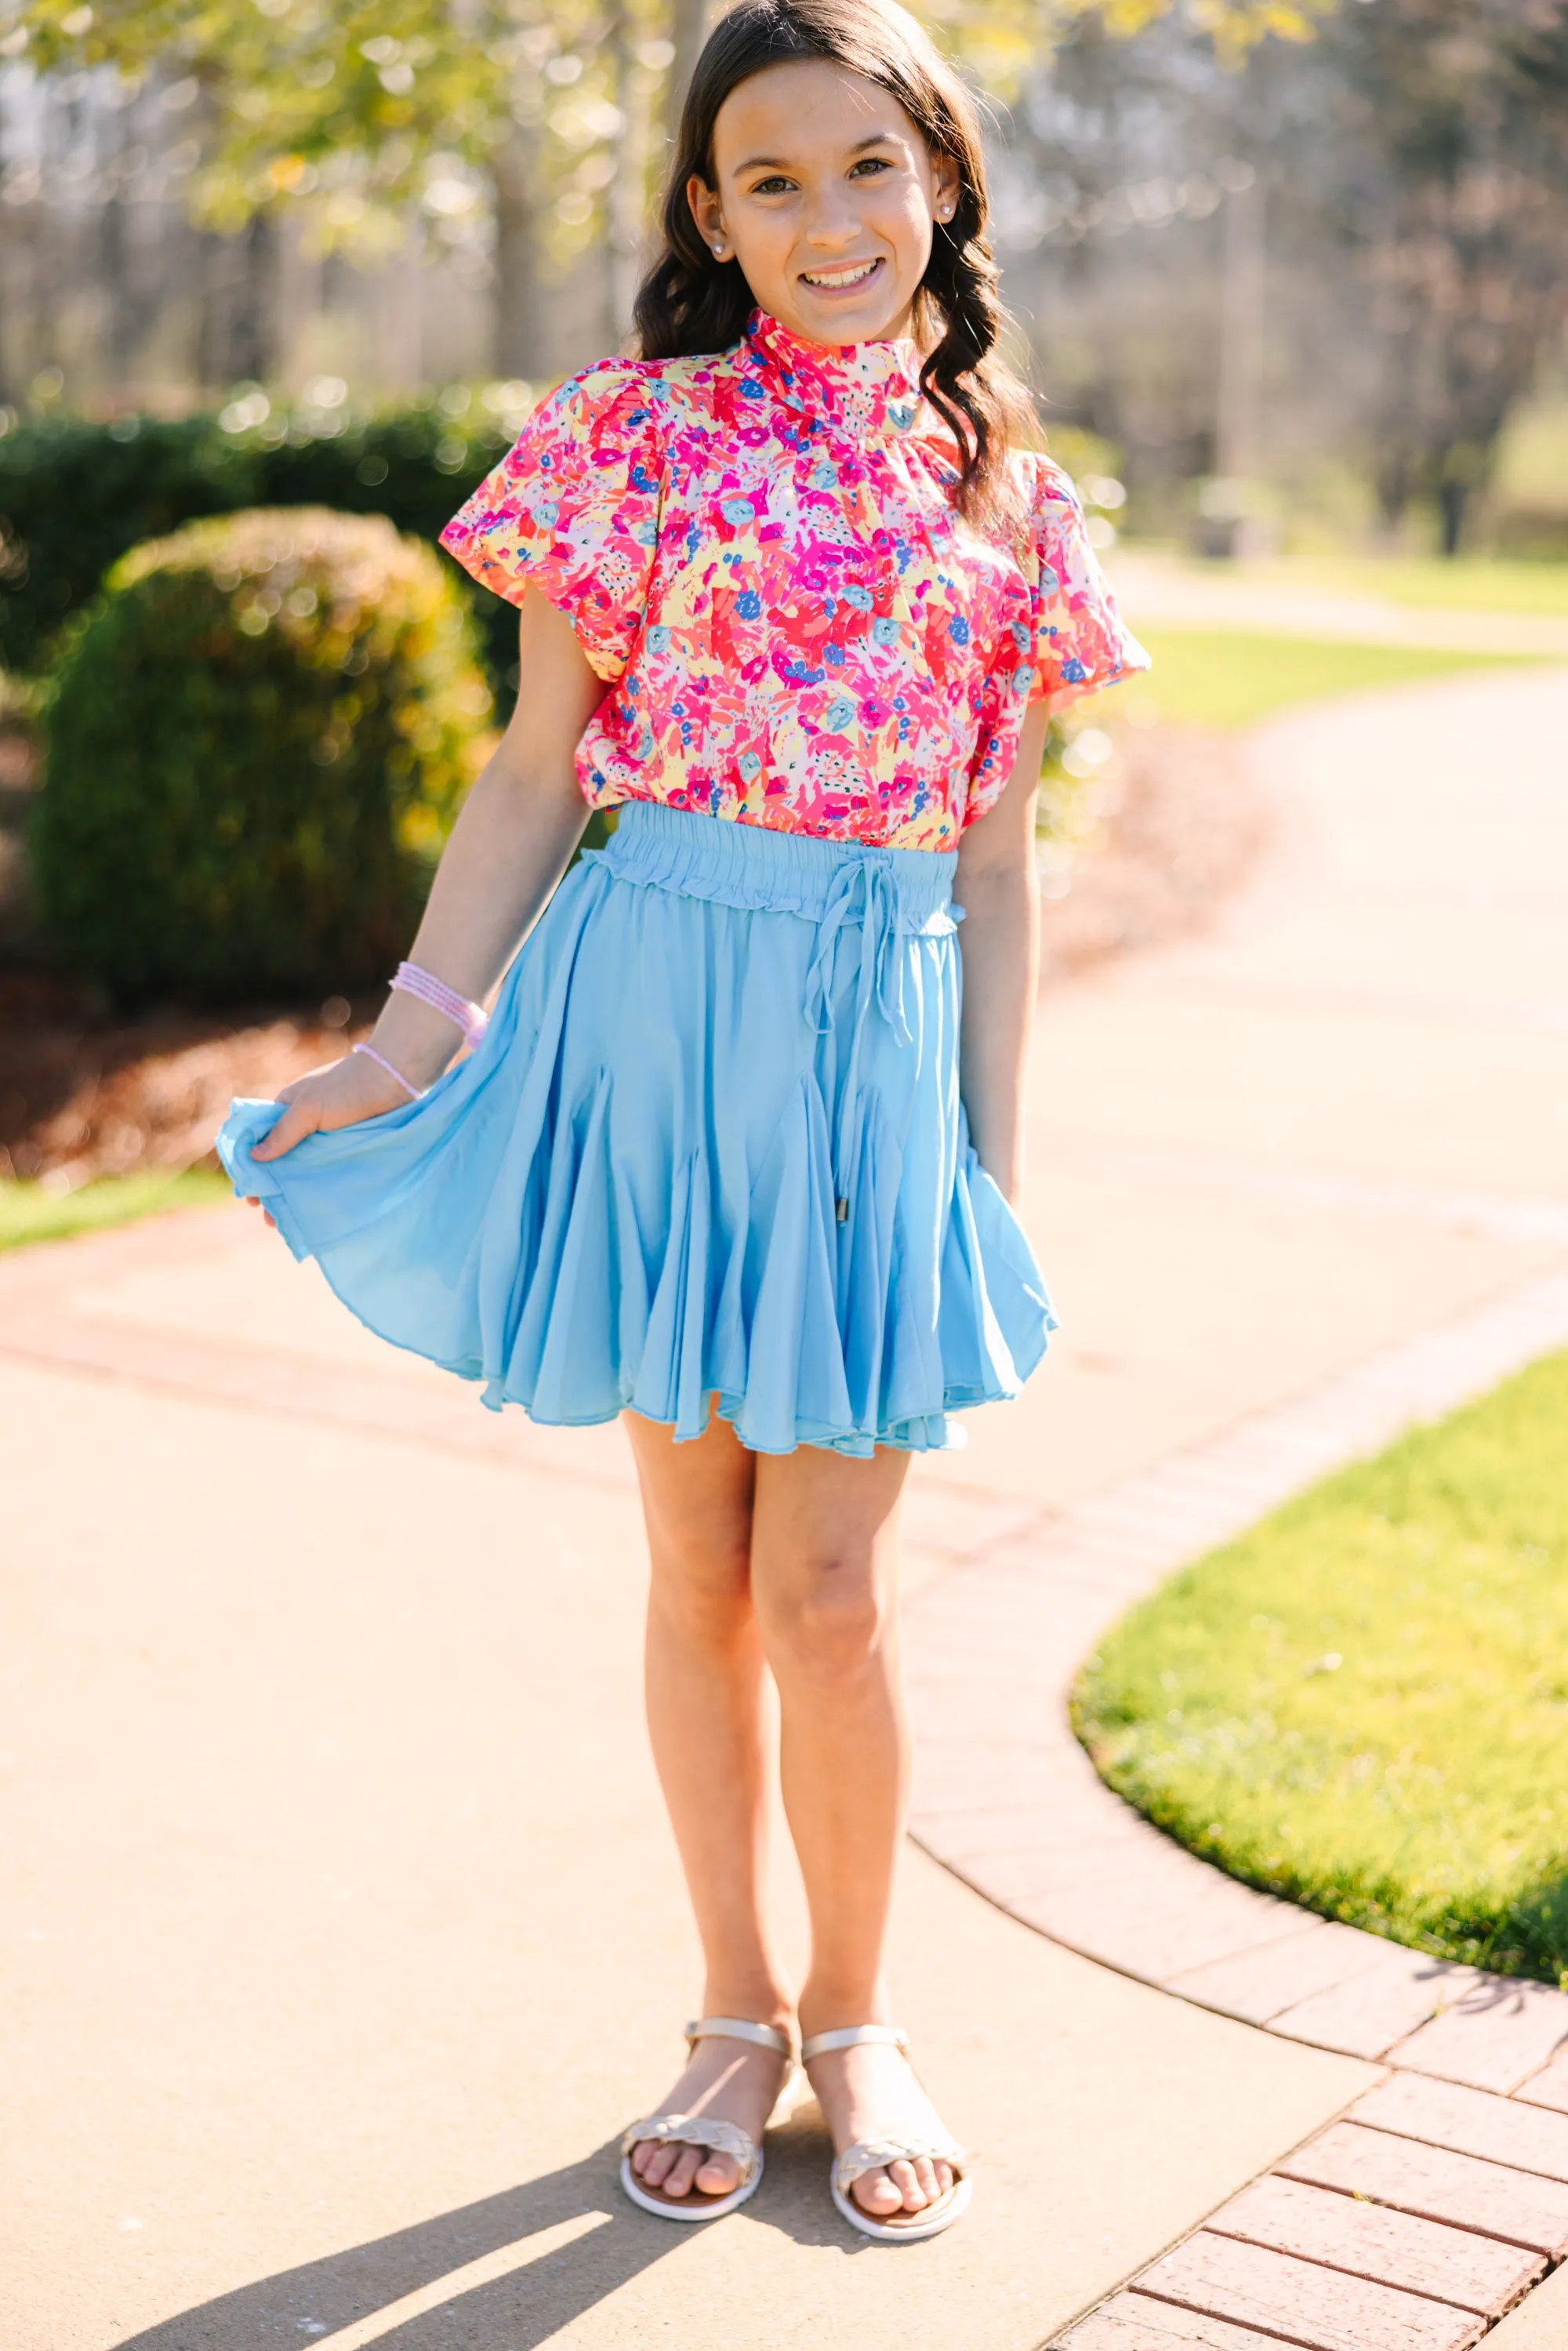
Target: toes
[874,2192]
[675,2169]
[905,2178]
[652,2160]
[926,2178]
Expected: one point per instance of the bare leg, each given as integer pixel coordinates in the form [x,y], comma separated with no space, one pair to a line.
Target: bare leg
[824,1579]
[705,1678]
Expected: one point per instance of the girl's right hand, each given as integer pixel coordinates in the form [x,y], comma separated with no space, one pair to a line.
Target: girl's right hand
[340,1094]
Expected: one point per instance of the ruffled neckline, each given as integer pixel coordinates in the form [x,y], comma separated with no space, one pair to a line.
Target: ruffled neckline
[868,391]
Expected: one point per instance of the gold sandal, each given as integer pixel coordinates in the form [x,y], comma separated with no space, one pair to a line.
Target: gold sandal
[705,2130]
[873,2154]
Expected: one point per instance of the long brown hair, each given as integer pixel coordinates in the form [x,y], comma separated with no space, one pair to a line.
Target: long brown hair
[689,302]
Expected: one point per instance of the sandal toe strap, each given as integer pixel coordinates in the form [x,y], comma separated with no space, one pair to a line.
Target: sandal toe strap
[898,2147]
[698,2130]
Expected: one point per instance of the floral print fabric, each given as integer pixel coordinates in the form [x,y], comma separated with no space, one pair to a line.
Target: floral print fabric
[760,555]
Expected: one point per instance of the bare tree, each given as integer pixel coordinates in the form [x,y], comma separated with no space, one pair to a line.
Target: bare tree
[1460,158]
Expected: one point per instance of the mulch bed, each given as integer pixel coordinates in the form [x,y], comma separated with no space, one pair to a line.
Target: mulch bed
[1184,820]
[87,1092]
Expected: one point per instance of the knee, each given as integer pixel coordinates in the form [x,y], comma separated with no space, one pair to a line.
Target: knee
[702,1593]
[828,1626]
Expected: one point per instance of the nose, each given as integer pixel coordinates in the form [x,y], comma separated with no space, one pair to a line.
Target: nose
[832,220]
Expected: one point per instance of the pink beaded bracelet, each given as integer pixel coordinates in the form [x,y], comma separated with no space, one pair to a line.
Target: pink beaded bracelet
[412,979]
[381,1063]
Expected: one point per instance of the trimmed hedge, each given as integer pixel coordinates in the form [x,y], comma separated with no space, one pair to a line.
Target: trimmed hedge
[258,737]
[74,497]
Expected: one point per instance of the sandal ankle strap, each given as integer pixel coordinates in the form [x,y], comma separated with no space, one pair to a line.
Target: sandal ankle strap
[736,2028]
[854,2036]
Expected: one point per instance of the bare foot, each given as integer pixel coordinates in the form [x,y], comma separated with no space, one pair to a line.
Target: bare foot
[870,2091]
[734,2080]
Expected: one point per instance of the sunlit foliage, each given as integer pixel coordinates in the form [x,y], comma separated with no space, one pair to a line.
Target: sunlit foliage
[362,112]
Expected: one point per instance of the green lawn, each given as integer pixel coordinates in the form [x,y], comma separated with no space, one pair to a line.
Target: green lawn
[28,1212]
[1472,583]
[1363,1704]
[1212,677]
[1475,583]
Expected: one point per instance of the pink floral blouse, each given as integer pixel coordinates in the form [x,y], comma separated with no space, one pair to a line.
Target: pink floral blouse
[760,555]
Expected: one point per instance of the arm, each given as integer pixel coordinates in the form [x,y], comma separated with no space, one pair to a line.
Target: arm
[508,849]
[999,893]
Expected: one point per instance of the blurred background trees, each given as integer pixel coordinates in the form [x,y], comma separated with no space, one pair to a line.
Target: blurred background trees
[1459,153]
[1280,258]
[1334,271]
[1287,275]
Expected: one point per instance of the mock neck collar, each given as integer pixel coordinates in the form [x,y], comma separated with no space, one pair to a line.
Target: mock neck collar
[868,391]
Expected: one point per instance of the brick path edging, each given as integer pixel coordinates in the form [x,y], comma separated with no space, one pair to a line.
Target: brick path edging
[1426,2214]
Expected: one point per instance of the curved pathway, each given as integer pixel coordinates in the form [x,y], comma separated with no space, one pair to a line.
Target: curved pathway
[1396,989]
[347,1931]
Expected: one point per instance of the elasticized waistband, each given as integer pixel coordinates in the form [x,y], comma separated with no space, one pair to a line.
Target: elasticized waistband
[784,872]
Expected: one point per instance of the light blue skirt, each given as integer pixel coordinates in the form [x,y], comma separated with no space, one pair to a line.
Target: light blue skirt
[711,1148]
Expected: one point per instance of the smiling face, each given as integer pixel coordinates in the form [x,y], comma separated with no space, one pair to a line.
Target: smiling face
[827,196]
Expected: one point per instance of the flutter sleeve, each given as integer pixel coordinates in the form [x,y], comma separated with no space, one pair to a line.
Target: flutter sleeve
[1081,641]
[573,511]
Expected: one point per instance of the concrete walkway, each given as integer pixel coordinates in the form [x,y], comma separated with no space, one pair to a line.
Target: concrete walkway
[348,1932]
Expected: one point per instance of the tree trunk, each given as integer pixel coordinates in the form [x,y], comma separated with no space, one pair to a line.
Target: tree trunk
[114,270]
[20,272]
[519,326]
[238,332]
[623,198]
[112,262]
[1240,333]
[211,354]
[1392,481]
[688,30]
[254,343]
[398,312]
[1453,501]
[49,262]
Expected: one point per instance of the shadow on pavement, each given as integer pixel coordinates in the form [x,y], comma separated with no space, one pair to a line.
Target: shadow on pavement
[532,2298]
[524,2307]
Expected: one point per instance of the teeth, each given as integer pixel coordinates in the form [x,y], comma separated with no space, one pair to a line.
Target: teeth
[838,276]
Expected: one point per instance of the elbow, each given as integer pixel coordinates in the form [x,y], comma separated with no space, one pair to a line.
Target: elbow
[996,886]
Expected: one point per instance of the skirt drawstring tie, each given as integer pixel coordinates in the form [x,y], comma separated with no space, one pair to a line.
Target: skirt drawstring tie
[862,893]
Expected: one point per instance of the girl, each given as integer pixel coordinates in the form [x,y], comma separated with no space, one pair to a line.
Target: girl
[801,616]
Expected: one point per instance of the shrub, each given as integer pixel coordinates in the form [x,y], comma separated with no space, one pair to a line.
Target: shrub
[258,737]
[415,464]
[74,497]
